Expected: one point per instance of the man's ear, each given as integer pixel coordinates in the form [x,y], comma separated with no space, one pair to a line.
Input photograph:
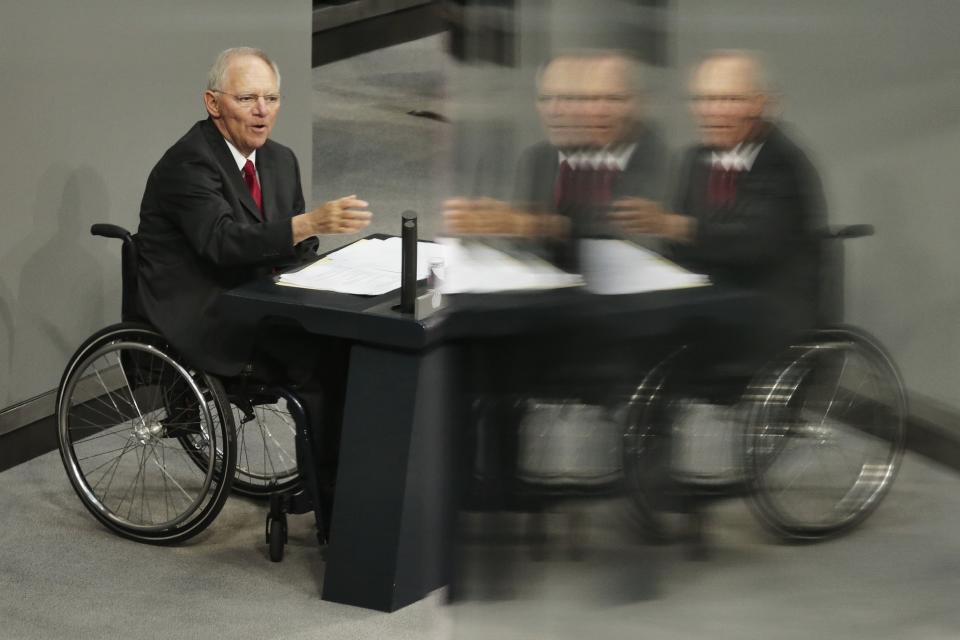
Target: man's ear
[210,101]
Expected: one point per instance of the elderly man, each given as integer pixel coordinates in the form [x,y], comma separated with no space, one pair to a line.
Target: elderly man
[597,150]
[749,200]
[224,205]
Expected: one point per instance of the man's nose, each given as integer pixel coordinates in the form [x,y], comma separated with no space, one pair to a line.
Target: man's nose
[260,106]
[710,108]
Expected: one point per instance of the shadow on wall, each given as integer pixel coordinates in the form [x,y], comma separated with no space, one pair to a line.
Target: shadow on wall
[61,299]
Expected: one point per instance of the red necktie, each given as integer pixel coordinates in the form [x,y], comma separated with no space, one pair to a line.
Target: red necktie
[584,186]
[250,177]
[602,192]
[721,187]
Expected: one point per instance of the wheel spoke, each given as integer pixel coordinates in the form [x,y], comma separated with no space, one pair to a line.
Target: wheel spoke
[169,477]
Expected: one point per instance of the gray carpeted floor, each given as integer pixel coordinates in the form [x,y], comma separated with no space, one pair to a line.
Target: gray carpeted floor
[63,576]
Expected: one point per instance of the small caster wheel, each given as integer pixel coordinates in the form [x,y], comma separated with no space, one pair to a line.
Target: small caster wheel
[276,537]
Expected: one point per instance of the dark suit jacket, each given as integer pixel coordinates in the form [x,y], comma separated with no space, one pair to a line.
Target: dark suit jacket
[539,168]
[766,241]
[200,234]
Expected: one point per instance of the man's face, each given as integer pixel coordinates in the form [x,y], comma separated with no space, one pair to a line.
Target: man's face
[559,103]
[611,107]
[726,101]
[247,126]
[586,102]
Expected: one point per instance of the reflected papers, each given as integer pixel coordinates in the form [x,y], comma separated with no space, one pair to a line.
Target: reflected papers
[618,267]
[473,267]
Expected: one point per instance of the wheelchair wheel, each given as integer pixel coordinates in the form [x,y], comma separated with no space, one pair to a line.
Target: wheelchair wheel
[266,442]
[125,409]
[265,420]
[825,435]
[648,451]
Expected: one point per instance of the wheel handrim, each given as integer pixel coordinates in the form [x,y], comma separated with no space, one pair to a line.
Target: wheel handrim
[822,451]
[129,466]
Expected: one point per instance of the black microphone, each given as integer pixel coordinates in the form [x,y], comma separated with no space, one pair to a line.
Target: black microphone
[408,264]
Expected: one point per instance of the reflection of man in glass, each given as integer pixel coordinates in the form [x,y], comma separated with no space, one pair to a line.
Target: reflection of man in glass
[748,201]
[597,151]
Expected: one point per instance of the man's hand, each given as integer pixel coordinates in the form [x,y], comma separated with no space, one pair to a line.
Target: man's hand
[638,215]
[485,217]
[489,217]
[343,215]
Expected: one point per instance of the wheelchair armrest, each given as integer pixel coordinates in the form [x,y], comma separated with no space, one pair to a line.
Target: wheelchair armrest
[848,231]
[845,232]
[110,231]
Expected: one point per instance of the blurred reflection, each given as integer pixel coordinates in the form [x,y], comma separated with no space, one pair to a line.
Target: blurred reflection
[597,151]
[745,213]
[545,419]
[812,438]
[749,201]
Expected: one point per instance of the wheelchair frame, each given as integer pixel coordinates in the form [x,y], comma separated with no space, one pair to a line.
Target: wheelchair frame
[129,408]
[786,408]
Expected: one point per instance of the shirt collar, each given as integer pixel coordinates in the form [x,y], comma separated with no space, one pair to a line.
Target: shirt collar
[740,158]
[610,157]
[238,157]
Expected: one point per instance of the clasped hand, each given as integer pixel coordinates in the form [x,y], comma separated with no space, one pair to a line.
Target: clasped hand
[642,216]
[490,217]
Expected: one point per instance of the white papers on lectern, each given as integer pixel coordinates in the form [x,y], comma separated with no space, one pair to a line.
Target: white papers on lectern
[618,267]
[474,267]
[367,267]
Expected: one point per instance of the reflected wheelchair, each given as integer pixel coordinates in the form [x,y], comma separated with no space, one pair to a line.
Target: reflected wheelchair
[153,446]
[814,439]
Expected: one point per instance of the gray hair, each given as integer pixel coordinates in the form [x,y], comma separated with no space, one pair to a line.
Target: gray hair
[759,67]
[635,72]
[218,72]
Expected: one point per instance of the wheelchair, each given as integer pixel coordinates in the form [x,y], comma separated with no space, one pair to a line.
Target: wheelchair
[813,440]
[153,446]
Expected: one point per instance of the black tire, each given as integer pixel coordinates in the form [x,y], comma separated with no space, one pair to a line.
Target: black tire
[825,435]
[276,537]
[125,406]
[647,453]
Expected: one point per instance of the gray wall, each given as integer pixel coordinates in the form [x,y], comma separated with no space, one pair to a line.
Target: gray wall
[872,89]
[93,93]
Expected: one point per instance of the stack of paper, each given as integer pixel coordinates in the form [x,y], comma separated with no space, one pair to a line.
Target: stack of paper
[366,267]
[619,267]
[472,267]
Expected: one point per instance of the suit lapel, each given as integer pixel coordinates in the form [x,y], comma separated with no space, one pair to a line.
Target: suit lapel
[699,178]
[267,171]
[222,153]
[548,183]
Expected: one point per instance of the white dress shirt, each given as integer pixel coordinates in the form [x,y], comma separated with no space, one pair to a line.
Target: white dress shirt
[240,160]
[610,157]
[740,158]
